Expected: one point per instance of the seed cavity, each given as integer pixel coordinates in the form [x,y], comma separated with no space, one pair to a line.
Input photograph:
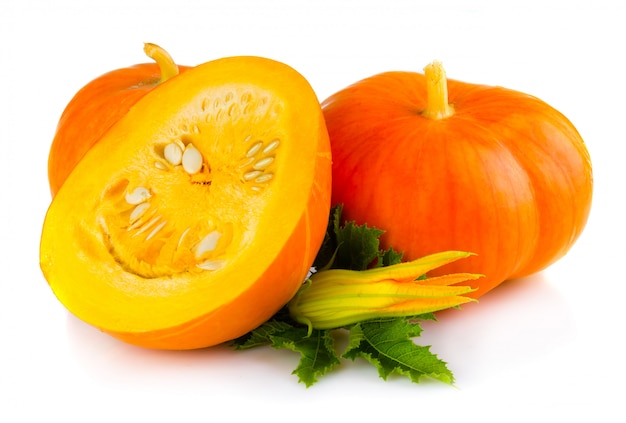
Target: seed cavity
[191,159]
[173,153]
[138,196]
[165,242]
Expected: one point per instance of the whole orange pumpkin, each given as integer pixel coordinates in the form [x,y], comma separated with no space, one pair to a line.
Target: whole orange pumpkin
[446,165]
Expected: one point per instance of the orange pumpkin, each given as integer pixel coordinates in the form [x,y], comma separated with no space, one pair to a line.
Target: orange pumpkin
[446,165]
[98,105]
[195,213]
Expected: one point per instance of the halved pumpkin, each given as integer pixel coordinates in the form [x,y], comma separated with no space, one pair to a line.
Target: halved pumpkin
[199,213]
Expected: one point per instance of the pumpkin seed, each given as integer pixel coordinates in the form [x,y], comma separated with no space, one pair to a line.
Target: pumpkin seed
[233,110]
[256,147]
[248,176]
[138,211]
[205,104]
[141,220]
[211,264]
[264,178]
[208,243]
[156,230]
[160,165]
[147,225]
[182,236]
[263,163]
[271,147]
[247,162]
[191,159]
[138,195]
[173,153]
[245,98]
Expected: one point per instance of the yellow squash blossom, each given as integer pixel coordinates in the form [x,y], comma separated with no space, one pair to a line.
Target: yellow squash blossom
[338,297]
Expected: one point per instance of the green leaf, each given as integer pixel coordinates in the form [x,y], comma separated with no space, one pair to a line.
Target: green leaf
[390,257]
[261,335]
[387,344]
[358,246]
[317,352]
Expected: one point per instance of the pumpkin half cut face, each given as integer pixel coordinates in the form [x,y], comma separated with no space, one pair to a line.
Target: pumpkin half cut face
[198,214]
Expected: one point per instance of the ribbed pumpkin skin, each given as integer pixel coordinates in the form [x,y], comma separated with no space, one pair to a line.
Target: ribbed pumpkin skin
[506,176]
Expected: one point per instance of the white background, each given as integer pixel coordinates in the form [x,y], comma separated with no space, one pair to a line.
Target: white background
[546,347]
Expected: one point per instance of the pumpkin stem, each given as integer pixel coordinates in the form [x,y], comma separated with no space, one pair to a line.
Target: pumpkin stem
[437,106]
[164,60]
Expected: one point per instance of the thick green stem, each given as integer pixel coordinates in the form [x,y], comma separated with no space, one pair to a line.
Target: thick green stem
[437,106]
[164,60]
